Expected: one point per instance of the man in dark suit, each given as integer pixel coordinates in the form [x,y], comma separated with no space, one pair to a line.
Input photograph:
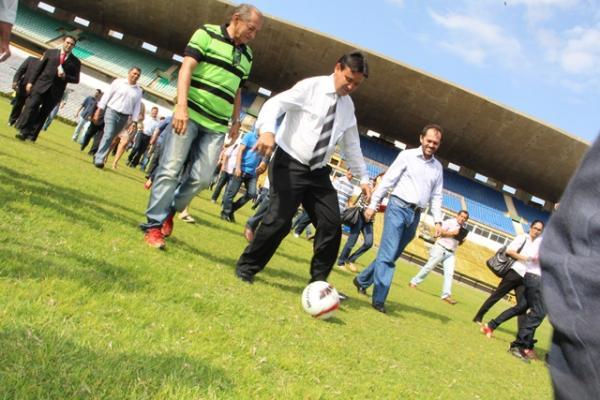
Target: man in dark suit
[46,86]
[22,76]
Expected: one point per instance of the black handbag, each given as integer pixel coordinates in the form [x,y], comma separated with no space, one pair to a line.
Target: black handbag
[350,216]
[500,263]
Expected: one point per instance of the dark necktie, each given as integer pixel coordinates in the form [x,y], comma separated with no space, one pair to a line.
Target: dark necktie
[323,142]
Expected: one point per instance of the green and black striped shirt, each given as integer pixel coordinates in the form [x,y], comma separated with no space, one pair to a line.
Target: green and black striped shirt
[222,68]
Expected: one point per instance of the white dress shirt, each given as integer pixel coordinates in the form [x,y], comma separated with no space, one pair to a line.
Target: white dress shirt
[305,107]
[150,125]
[531,250]
[415,180]
[123,98]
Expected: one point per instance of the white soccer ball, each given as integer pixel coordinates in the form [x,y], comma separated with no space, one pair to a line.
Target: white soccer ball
[320,300]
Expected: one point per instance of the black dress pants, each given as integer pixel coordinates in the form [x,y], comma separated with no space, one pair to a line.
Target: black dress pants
[139,148]
[17,105]
[37,108]
[511,281]
[292,184]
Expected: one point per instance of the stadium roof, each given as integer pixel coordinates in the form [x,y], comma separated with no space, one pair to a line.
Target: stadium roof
[396,100]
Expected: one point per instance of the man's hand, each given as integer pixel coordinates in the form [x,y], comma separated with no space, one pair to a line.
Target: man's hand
[265,144]
[237,172]
[369,214]
[262,167]
[14,85]
[97,116]
[438,229]
[180,119]
[367,191]
[28,87]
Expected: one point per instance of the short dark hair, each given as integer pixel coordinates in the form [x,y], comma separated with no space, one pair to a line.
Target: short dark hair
[464,212]
[537,221]
[70,36]
[135,67]
[435,127]
[356,61]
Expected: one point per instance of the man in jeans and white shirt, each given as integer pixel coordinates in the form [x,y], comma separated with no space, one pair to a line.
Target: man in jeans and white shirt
[416,179]
[443,252]
[121,103]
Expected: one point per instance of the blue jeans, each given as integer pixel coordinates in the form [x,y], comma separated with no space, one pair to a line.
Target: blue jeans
[82,125]
[233,187]
[400,226]
[114,123]
[224,177]
[301,223]
[438,254]
[168,193]
[261,211]
[367,230]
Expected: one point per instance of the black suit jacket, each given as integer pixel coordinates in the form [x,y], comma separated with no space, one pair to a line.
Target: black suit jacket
[25,72]
[45,75]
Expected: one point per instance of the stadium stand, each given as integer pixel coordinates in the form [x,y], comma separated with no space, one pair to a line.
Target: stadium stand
[490,216]
[38,26]
[474,191]
[377,151]
[100,53]
[530,213]
[451,202]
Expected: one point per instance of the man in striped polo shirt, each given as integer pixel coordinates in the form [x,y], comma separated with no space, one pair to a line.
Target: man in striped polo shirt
[216,64]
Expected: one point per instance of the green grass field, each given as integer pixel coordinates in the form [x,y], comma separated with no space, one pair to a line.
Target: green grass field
[89,311]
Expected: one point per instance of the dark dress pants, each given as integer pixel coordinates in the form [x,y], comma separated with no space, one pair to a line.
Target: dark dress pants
[511,281]
[570,259]
[224,177]
[292,184]
[37,108]
[93,132]
[18,103]
[537,312]
[139,148]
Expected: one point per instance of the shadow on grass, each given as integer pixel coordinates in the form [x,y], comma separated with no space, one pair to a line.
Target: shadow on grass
[96,274]
[42,364]
[75,205]
[229,262]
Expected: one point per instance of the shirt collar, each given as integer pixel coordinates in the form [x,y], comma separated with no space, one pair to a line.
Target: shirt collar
[329,86]
[420,155]
[229,39]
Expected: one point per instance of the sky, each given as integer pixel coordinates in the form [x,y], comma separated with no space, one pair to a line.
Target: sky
[539,57]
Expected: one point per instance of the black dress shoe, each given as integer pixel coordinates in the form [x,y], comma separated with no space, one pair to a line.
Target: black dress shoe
[379,307]
[227,217]
[20,137]
[245,277]
[342,296]
[360,289]
[99,165]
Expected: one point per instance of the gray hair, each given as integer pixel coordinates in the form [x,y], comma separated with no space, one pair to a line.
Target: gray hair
[245,11]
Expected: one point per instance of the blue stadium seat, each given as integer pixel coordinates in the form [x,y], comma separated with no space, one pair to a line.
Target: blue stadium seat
[530,213]
[489,216]
[451,202]
[377,151]
[473,190]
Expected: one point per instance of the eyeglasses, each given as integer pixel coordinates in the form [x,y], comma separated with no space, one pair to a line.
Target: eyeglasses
[236,57]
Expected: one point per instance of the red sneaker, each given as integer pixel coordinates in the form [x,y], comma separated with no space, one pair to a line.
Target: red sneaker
[487,331]
[167,226]
[530,354]
[155,238]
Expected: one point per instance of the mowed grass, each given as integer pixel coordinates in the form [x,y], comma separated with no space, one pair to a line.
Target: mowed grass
[88,310]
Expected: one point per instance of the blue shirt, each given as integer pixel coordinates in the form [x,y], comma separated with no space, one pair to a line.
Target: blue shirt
[161,129]
[250,159]
[89,106]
